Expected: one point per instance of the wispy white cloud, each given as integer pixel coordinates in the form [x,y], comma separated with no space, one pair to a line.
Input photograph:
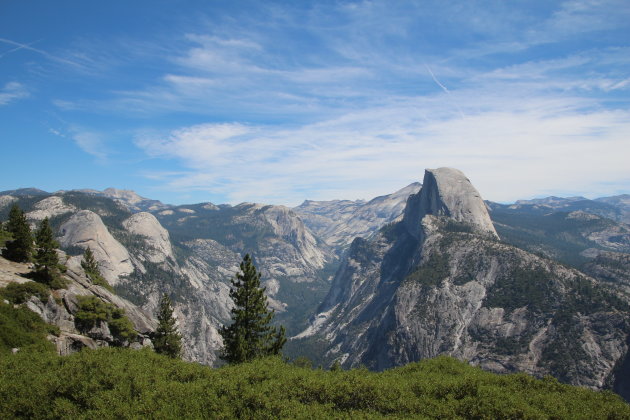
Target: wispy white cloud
[12,91]
[509,154]
[90,142]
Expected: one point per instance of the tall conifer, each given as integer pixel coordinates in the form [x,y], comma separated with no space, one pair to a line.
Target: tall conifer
[251,334]
[46,258]
[166,339]
[20,248]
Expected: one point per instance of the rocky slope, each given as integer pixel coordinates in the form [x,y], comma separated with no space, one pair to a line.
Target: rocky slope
[439,282]
[60,307]
[338,222]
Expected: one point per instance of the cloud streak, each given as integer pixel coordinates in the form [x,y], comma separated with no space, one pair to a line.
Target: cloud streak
[12,91]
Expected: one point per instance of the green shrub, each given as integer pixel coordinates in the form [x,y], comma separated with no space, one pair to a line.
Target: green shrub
[122,383]
[93,311]
[24,329]
[20,292]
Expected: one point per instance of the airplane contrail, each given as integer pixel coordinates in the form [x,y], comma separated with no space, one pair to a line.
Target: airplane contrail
[435,79]
[444,88]
[21,46]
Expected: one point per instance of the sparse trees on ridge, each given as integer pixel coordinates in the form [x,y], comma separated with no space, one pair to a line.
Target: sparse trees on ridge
[251,334]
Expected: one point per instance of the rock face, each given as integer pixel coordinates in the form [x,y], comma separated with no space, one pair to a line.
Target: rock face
[86,229]
[338,222]
[5,200]
[439,282]
[132,200]
[447,192]
[282,246]
[301,254]
[50,207]
[156,237]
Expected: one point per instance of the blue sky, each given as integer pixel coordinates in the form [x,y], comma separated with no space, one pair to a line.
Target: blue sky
[277,102]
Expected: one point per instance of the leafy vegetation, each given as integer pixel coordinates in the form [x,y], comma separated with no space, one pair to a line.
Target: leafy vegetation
[122,383]
[20,292]
[93,311]
[23,329]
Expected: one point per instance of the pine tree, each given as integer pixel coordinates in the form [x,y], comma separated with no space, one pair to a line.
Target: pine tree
[46,258]
[89,264]
[166,339]
[20,248]
[92,271]
[250,335]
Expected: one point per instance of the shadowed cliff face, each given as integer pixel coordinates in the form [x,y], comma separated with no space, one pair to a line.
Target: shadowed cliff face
[439,282]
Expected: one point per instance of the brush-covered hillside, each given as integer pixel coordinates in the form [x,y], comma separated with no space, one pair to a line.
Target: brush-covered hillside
[124,383]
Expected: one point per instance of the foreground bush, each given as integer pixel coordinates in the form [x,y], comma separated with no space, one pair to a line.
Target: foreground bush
[23,329]
[21,292]
[122,383]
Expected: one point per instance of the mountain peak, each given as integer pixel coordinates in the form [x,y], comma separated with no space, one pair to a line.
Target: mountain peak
[447,192]
[128,195]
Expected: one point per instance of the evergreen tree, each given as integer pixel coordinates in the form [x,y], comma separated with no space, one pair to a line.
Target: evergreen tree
[90,266]
[166,339]
[46,258]
[20,247]
[250,335]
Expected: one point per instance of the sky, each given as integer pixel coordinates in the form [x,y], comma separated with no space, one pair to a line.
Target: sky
[281,101]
